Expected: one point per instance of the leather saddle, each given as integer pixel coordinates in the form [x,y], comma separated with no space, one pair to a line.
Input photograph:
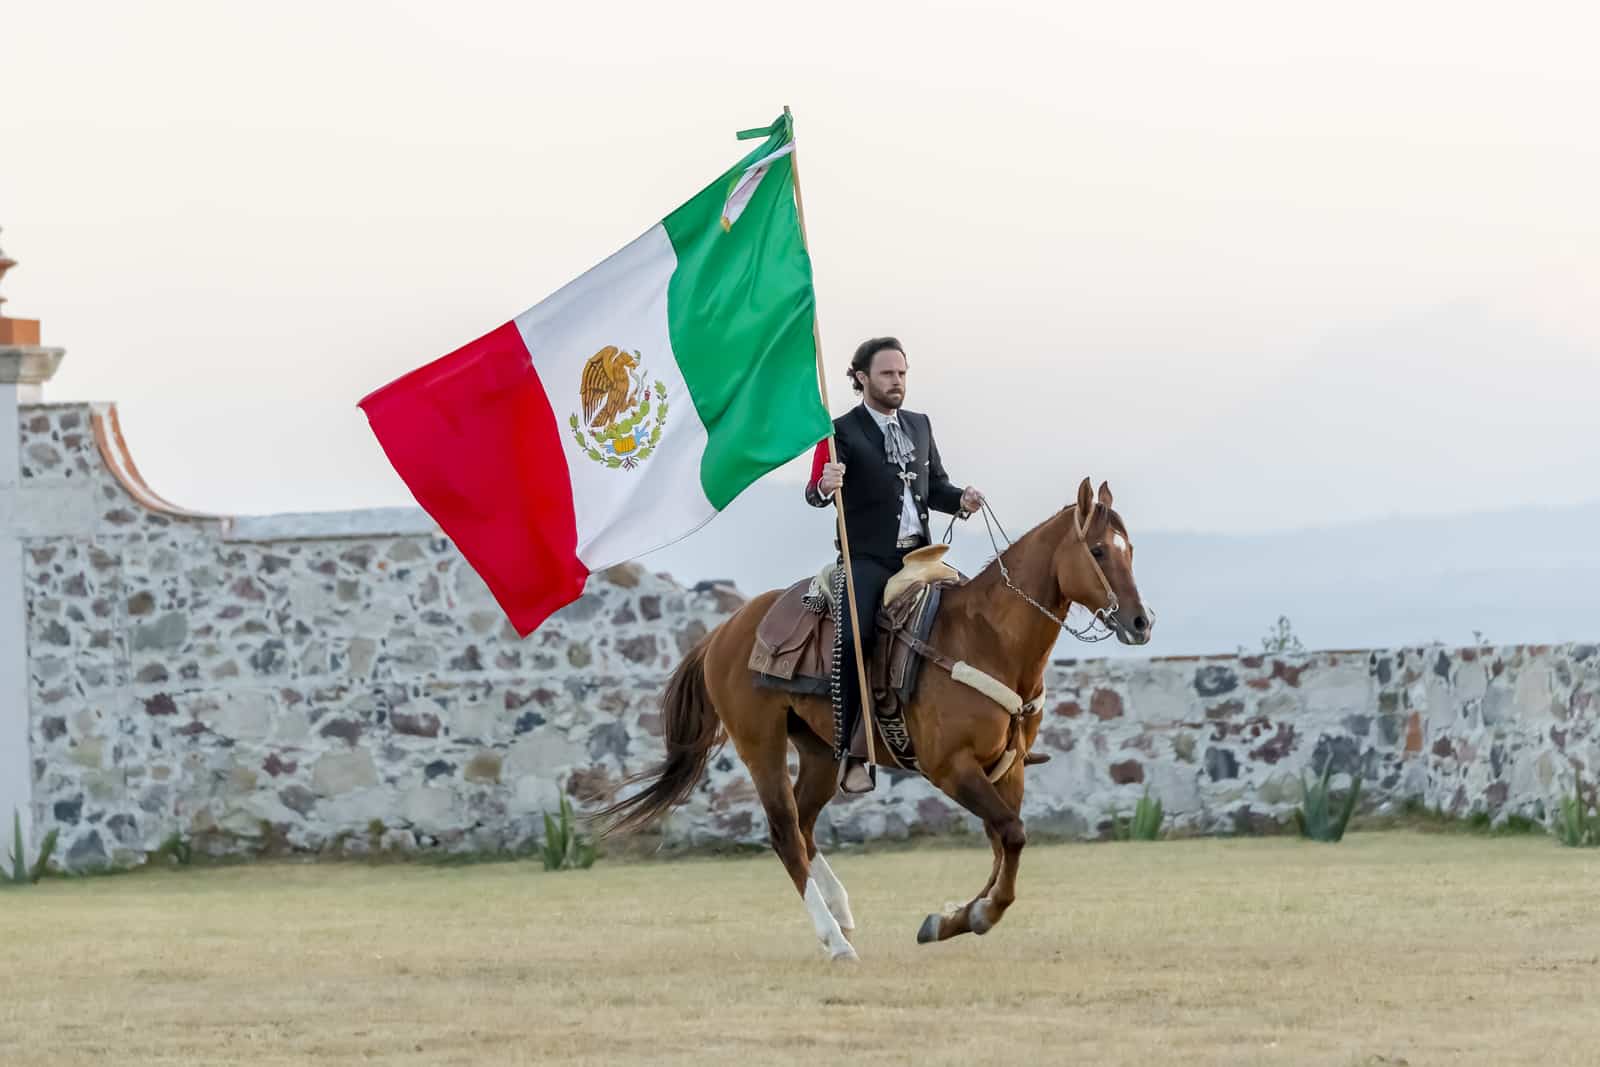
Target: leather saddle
[794,641]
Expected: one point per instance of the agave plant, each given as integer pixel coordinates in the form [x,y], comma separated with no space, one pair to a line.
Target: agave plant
[564,848]
[1147,816]
[1573,826]
[1315,817]
[20,873]
[1145,824]
[177,849]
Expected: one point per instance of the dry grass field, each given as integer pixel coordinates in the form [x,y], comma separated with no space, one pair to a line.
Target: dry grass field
[1389,948]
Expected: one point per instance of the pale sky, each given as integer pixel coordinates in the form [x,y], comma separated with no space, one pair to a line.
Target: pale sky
[1262,266]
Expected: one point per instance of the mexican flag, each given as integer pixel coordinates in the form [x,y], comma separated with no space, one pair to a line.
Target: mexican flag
[621,413]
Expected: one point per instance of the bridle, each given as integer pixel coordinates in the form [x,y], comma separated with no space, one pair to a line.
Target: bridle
[1105,618]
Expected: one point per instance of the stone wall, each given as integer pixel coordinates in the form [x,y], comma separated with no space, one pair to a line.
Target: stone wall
[1223,741]
[343,683]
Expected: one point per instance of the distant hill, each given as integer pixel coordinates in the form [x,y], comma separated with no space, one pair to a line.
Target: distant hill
[1514,576]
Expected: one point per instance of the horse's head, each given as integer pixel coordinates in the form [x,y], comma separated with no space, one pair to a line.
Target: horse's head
[1094,566]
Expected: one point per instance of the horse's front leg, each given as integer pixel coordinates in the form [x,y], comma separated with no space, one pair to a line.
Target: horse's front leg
[814,786]
[970,788]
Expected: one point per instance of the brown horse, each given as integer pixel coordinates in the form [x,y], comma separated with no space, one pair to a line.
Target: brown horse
[1004,622]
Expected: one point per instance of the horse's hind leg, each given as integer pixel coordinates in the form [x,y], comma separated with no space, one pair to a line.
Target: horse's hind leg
[999,849]
[767,759]
[814,786]
[999,812]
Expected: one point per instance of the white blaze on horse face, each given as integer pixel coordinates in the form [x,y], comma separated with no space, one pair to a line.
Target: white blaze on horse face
[1119,541]
[833,893]
[826,926]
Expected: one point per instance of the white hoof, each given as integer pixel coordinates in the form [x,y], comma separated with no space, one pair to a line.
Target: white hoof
[825,925]
[847,954]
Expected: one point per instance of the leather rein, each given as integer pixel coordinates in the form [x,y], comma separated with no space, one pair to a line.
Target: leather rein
[1105,617]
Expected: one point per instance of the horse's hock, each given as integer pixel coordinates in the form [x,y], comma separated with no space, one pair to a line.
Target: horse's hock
[343,682]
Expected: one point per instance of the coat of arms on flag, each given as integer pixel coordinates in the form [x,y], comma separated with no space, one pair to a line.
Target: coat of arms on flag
[622,415]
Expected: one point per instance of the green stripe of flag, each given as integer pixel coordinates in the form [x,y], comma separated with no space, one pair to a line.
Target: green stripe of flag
[740,310]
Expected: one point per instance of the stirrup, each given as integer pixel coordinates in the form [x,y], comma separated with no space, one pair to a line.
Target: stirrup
[845,766]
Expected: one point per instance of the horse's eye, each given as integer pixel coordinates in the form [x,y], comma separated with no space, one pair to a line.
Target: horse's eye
[1098,552]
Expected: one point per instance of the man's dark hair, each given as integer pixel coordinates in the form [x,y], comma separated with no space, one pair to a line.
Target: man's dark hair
[865,351]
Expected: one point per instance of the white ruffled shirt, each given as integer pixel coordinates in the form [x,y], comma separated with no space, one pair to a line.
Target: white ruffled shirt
[910,520]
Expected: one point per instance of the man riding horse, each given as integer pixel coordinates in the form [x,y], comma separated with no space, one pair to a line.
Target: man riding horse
[890,469]
[977,705]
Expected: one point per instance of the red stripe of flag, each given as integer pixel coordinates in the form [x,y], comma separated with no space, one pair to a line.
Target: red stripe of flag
[473,437]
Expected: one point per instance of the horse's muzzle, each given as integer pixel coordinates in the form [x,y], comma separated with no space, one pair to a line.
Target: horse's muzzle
[1134,631]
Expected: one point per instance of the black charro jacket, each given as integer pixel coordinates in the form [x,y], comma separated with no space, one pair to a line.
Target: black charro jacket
[872,486]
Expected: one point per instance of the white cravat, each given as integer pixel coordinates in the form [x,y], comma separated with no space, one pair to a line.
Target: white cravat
[910,520]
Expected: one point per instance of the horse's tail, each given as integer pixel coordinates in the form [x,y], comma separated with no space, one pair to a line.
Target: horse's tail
[692,731]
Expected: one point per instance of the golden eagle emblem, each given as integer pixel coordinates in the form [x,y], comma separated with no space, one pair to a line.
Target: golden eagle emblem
[622,414]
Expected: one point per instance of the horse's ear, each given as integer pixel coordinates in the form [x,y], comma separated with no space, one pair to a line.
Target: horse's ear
[1105,495]
[1085,506]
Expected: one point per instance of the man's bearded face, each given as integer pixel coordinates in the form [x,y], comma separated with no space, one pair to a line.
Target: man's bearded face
[885,386]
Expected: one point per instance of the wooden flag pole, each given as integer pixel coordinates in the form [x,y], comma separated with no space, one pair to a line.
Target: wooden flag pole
[869,724]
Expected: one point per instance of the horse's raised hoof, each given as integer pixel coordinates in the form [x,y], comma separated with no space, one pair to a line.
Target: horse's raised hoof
[929,930]
[845,955]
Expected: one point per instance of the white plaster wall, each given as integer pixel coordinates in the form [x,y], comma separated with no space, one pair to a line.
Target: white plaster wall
[16,779]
